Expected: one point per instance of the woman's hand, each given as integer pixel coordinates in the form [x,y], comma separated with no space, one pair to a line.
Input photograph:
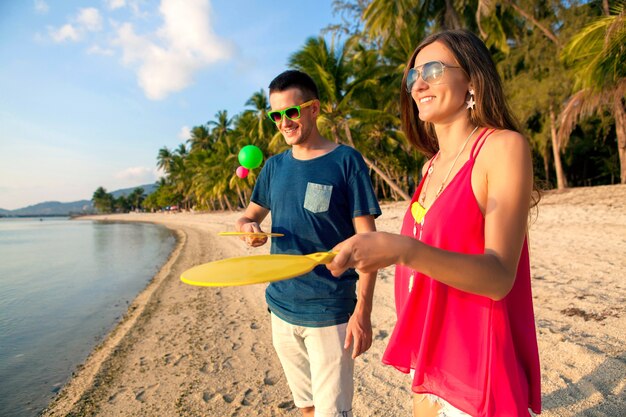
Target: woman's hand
[368,252]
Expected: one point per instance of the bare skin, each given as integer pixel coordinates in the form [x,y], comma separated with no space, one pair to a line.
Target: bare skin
[307,143]
[502,183]
[423,407]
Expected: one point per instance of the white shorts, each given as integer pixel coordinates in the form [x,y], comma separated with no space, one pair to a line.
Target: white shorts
[445,408]
[319,371]
[448,410]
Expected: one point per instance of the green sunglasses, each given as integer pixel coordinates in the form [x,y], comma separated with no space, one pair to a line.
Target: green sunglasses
[291,113]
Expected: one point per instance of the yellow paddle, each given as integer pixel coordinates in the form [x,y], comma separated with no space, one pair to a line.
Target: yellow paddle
[251,234]
[256,269]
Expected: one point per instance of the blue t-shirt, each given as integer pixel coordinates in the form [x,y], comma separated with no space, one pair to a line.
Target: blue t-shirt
[313,203]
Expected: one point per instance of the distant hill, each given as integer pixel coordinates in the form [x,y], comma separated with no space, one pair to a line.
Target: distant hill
[147,189]
[53,208]
[56,208]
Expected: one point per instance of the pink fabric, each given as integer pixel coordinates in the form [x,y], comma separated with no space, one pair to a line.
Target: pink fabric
[478,354]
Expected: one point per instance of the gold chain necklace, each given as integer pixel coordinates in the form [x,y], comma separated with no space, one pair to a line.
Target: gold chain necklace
[443,183]
[421,209]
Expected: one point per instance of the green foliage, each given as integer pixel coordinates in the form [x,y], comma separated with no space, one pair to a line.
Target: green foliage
[593,161]
[359,71]
[597,53]
[103,201]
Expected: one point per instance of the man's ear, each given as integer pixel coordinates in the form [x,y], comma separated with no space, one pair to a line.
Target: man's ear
[316,107]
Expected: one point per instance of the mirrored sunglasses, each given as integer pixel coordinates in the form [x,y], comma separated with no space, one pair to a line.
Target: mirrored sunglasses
[291,113]
[431,72]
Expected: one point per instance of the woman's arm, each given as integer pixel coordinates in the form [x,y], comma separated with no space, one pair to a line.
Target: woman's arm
[502,184]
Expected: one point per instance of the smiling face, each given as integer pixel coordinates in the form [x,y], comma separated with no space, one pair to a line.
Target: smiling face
[442,101]
[298,131]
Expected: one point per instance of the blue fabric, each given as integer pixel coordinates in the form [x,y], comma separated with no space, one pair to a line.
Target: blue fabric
[313,203]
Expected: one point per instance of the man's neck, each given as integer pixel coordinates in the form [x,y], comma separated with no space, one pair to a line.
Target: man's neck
[313,148]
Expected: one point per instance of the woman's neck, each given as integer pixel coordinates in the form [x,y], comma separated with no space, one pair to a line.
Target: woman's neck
[451,136]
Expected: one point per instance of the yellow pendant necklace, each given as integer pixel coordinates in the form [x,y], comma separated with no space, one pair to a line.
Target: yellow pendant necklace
[418,210]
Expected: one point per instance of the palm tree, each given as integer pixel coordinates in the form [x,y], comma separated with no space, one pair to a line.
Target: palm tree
[221,126]
[260,104]
[388,19]
[533,61]
[182,150]
[497,20]
[330,67]
[179,175]
[102,201]
[598,56]
[200,138]
[136,197]
[164,160]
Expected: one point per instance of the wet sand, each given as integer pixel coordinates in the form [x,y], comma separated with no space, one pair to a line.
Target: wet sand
[191,351]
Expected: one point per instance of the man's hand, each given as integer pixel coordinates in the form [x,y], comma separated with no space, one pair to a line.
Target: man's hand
[250,222]
[253,241]
[359,333]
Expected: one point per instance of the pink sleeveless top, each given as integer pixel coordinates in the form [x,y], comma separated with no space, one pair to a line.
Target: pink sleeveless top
[478,354]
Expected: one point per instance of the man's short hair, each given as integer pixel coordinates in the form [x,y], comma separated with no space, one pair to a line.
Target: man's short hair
[295,79]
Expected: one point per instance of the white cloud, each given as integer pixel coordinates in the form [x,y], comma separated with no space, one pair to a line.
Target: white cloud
[98,50]
[185,133]
[90,19]
[87,20]
[116,4]
[41,7]
[64,33]
[166,63]
[138,175]
[133,5]
[166,60]
[159,173]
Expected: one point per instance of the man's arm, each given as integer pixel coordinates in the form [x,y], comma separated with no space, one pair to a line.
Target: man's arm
[359,328]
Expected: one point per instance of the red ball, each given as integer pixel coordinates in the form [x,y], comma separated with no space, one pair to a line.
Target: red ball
[242,172]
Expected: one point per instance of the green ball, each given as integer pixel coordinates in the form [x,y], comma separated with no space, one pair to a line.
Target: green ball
[250,156]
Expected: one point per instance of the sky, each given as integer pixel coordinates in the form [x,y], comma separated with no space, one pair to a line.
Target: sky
[91,90]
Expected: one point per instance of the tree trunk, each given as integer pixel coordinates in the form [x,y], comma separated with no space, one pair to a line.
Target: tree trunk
[230,207]
[241,196]
[535,22]
[561,181]
[620,129]
[372,166]
[546,163]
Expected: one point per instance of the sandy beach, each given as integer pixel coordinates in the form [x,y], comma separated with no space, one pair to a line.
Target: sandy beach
[196,351]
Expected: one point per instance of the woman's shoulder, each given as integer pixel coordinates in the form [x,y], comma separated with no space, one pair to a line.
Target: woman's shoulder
[504,134]
[503,141]
[504,150]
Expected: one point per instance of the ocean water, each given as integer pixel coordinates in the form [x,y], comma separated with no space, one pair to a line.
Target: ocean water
[64,284]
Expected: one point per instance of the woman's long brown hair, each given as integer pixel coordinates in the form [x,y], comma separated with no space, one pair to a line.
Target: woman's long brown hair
[473,57]
[491,108]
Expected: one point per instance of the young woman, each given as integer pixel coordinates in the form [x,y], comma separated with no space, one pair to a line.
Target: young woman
[465,329]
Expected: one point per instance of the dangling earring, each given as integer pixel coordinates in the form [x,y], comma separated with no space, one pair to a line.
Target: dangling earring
[471,103]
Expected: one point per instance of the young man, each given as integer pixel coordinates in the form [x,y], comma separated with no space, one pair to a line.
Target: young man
[319,193]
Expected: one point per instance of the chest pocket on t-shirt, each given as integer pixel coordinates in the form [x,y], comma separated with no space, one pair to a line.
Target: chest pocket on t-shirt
[317,197]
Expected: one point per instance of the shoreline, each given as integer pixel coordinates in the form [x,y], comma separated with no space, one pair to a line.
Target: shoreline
[84,375]
[183,350]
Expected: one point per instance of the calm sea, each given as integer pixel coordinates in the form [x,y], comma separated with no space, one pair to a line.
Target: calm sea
[63,286]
